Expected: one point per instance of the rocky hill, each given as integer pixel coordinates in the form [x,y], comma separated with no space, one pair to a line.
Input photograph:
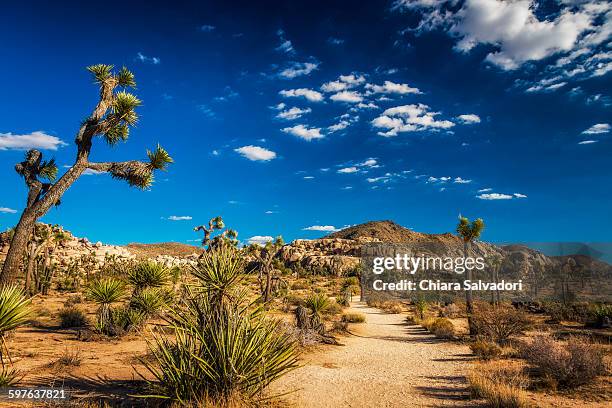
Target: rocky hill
[174,249]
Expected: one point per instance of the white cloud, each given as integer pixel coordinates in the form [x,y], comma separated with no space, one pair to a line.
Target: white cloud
[348,170]
[180,218]
[309,94]
[285,45]
[585,142]
[347,96]
[390,87]
[494,196]
[597,129]
[34,140]
[308,177]
[409,118]
[304,132]
[271,212]
[292,113]
[459,180]
[335,41]
[298,69]
[343,82]
[370,163]
[143,58]
[207,28]
[215,153]
[7,210]
[90,172]
[485,190]
[256,153]
[519,195]
[469,118]
[260,240]
[324,228]
[343,124]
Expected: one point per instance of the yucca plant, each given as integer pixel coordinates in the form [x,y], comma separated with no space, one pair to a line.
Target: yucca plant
[318,303]
[148,274]
[14,311]
[105,292]
[150,301]
[223,350]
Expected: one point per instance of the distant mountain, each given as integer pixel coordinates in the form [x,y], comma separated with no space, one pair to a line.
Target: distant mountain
[163,248]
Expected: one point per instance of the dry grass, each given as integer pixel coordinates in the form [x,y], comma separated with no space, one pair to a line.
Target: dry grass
[501,383]
[353,318]
[393,307]
[486,350]
[68,359]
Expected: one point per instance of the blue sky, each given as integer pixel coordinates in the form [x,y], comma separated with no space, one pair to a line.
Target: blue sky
[295,117]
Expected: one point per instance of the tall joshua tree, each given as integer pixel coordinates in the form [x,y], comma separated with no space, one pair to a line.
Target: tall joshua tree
[217,224]
[265,255]
[110,119]
[468,232]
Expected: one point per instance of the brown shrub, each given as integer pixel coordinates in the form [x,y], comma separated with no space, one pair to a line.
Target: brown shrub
[353,318]
[72,316]
[393,307]
[486,350]
[565,365]
[499,322]
[501,383]
[442,328]
[452,311]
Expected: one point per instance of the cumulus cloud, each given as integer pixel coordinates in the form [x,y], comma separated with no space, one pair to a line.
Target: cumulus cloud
[292,113]
[409,118]
[304,132]
[7,210]
[180,218]
[297,69]
[34,140]
[343,82]
[459,180]
[347,96]
[596,129]
[323,228]
[256,153]
[348,170]
[469,118]
[260,240]
[389,87]
[343,124]
[309,94]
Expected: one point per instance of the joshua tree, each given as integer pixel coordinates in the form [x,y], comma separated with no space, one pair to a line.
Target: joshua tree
[468,232]
[495,264]
[217,224]
[265,255]
[111,119]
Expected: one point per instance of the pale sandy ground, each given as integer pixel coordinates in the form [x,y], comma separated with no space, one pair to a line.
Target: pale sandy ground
[386,363]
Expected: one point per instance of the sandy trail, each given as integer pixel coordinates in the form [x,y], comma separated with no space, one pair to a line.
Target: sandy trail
[386,363]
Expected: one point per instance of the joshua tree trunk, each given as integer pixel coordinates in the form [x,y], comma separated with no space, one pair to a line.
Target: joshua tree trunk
[468,293]
[18,246]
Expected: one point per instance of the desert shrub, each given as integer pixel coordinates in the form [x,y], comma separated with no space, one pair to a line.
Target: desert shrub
[451,311]
[222,351]
[69,358]
[149,301]
[105,292]
[344,299]
[421,305]
[73,300]
[500,322]
[72,317]
[125,320]
[442,328]
[487,350]
[148,274]
[500,383]
[8,376]
[558,311]
[375,300]
[333,309]
[353,318]
[293,300]
[567,365]
[426,323]
[393,307]
[299,285]
[600,315]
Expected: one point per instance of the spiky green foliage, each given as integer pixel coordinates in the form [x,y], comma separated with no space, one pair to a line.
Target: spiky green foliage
[48,170]
[470,231]
[150,301]
[101,72]
[125,78]
[159,158]
[148,274]
[8,376]
[222,349]
[318,303]
[14,308]
[105,292]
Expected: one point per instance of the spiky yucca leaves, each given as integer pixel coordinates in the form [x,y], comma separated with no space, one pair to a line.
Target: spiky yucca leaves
[8,376]
[14,308]
[219,271]
[222,348]
[148,274]
[150,301]
[105,292]
[318,303]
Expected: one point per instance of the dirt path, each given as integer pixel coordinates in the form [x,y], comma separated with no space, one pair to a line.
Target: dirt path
[386,363]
